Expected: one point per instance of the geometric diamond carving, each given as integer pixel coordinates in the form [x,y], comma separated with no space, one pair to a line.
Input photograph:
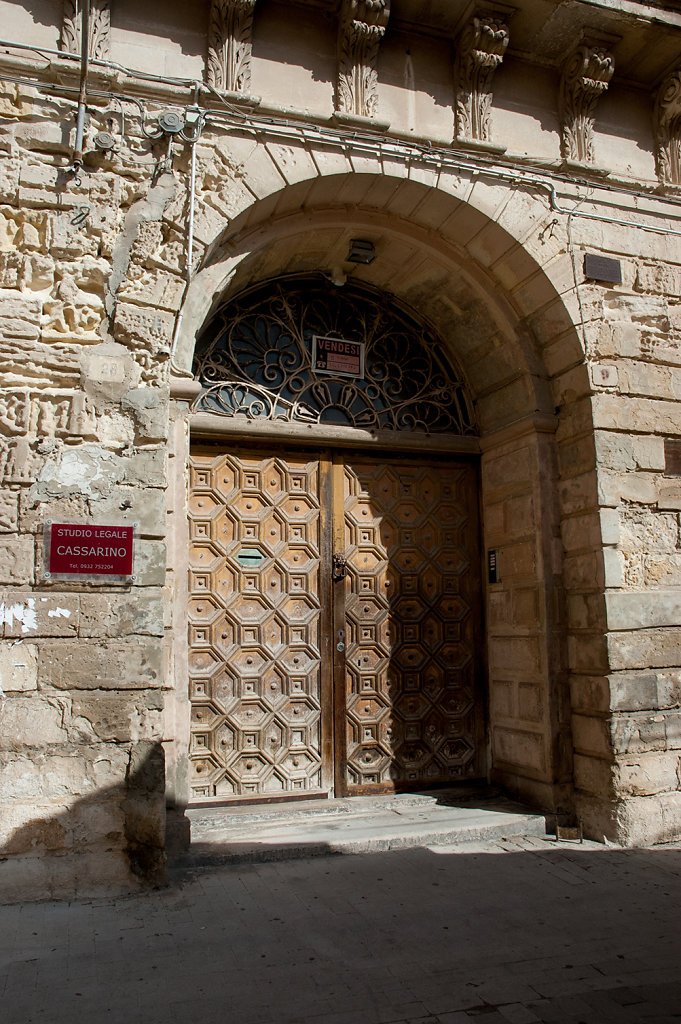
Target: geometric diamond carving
[254,523]
[409,546]
[255,622]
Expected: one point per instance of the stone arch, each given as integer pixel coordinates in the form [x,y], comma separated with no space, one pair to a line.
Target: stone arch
[474,271]
[503,301]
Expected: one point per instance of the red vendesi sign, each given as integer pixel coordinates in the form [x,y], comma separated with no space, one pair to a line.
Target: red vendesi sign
[88,550]
[338,356]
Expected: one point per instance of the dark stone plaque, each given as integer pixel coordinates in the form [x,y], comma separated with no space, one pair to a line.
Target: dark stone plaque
[601,268]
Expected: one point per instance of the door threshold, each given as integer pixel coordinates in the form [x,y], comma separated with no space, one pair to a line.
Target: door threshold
[250,801]
[346,825]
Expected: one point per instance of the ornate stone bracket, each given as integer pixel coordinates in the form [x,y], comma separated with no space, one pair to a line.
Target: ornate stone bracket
[586,75]
[361,29]
[479,52]
[99,45]
[667,129]
[228,63]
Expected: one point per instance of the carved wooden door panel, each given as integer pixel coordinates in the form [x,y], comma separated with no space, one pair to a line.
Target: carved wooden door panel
[297,682]
[408,713]
[255,626]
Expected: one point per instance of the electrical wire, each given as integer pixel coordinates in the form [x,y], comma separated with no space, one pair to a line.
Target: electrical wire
[358,141]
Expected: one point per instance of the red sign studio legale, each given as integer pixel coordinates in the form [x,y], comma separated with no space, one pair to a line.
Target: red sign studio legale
[91,550]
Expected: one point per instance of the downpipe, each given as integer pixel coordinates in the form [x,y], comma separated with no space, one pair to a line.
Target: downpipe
[77,161]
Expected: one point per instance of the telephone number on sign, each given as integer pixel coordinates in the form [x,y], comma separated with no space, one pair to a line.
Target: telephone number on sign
[84,566]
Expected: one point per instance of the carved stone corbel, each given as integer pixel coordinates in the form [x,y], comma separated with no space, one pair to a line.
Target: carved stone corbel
[228,62]
[361,29]
[479,52]
[667,129]
[586,75]
[99,44]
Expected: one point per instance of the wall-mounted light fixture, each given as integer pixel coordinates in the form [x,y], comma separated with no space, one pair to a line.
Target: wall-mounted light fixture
[361,251]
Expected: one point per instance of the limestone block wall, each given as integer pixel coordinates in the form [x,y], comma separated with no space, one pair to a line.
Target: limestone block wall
[85,331]
[620,483]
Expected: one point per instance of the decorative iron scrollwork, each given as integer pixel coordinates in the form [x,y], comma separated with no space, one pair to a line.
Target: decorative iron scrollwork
[255,360]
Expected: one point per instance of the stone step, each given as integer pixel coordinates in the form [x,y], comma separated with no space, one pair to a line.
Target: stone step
[317,828]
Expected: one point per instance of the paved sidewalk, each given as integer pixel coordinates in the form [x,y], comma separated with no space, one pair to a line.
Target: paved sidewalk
[512,931]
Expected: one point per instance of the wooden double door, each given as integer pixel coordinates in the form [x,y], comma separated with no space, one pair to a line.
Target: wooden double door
[333,623]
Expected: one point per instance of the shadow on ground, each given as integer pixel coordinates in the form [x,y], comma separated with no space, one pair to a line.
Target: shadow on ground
[513,931]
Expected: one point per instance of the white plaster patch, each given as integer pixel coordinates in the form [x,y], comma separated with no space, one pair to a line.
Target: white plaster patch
[58,613]
[107,369]
[89,470]
[23,613]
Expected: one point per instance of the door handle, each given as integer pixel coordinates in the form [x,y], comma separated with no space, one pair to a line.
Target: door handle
[340,568]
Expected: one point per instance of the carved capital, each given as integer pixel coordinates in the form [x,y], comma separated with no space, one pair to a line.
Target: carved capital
[479,52]
[667,129]
[99,43]
[361,29]
[228,62]
[586,75]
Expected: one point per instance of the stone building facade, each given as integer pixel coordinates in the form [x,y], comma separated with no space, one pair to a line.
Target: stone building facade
[480,201]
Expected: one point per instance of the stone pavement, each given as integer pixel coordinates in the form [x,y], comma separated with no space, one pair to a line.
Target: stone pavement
[510,931]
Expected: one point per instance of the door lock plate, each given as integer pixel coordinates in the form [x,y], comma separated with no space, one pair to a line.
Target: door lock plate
[340,567]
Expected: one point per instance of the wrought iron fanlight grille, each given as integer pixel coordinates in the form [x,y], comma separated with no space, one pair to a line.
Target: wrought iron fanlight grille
[255,360]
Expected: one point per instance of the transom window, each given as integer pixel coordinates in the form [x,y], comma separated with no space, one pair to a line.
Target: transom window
[256,358]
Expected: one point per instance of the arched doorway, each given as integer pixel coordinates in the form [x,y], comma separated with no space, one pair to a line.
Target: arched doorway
[334,612]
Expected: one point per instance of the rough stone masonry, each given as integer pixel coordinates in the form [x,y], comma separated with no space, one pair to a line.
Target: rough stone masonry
[230,143]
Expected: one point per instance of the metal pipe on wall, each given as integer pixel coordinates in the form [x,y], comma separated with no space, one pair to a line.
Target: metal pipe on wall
[192,204]
[80,116]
